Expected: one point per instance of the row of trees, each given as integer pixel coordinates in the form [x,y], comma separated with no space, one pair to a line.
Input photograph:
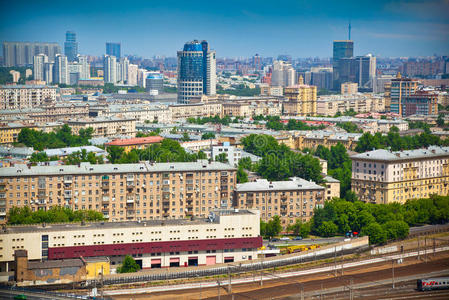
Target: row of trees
[56,214]
[60,138]
[275,123]
[239,90]
[396,142]
[226,120]
[278,161]
[350,127]
[381,222]
[166,151]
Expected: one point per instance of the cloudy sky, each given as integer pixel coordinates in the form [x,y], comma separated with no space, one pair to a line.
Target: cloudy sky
[234,28]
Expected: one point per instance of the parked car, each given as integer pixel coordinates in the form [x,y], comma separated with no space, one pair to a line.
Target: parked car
[285,238]
[297,238]
[275,240]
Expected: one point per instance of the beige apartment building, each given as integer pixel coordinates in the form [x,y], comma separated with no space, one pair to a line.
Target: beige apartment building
[142,191]
[360,103]
[349,88]
[54,112]
[301,100]
[236,109]
[105,127]
[311,139]
[25,96]
[195,110]
[291,200]
[382,176]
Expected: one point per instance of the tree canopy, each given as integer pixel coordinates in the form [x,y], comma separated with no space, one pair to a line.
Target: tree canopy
[56,214]
[129,265]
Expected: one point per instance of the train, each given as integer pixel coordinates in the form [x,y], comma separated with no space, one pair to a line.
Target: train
[433,284]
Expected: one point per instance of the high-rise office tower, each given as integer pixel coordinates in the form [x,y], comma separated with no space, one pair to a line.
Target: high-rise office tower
[196,71]
[398,90]
[70,46]
[283,74]
[38,66]
[18,54]
[61,69]
[365,70]
[110,69]
[122,70]
[85,67]
[48,72]
[113,49]
[132,74]
[342,49]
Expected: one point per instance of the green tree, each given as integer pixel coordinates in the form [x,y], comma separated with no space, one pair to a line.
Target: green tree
[129,265]
[376,233]
[39,157]
[396,229]
[273,227]
[245,163]
[208,136]
[222,157]
[300,229]
[115,153]
[327,229]
[185,137]
[440,120]
[242,177]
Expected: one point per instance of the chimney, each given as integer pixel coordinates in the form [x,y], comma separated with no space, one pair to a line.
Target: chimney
[21,270]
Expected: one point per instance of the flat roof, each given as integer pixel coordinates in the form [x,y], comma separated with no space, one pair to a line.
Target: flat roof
[119,225]
[294,184]
[136,141]
[387,155]
[86,168]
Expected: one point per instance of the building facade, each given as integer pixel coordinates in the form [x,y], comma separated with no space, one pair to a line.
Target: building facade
[301,100]
[110,69]
[143,191]
[25,96]
[349,88]
[420,103]
[18,54]
[382,176]
[105,127]
[224,236]
[290,200]
[398,89]
[113,49]
[342,49]
[70,46]
[196,71]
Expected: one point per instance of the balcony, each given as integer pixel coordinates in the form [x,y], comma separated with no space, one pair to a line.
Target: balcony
[2,213]
[166,204]
[68,179]
[2,196]
[130,200]
[166,214]
[3,188]
[129,178]
[105,200]
[189,213]
[67,194]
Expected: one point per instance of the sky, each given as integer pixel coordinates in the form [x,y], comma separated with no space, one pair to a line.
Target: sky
[234,28]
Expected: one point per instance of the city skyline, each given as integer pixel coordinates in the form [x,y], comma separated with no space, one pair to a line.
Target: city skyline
[390,28]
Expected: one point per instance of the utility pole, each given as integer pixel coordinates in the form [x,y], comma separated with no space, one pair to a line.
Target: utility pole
[418,248]
[335,261]
[425,248]
[392,269]
[434,245]
[302,291]
[218,289]
[351,294]
[261,271]
[321,292]
[230,285]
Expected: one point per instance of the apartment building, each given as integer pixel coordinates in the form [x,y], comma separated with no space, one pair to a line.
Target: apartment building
[54,112]
[301,100]
[145,113]
[224,236]
[311,139]
[236,109]
[25,96]
[382,176]
[9,132]
[142,191]
[105,127]
[331,105]
[349,88]
[291,200]
[195,110]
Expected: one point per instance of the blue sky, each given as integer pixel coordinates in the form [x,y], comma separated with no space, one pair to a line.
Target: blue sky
[302,28]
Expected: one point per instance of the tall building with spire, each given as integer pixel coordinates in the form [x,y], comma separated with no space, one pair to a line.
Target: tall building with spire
[196,71]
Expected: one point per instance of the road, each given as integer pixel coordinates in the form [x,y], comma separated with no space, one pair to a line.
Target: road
[307,241]
[7,294]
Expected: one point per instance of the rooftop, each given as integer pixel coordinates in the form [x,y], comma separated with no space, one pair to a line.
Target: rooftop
[136,141]
[294,184]
[119,225]
[387,155]
[87,168]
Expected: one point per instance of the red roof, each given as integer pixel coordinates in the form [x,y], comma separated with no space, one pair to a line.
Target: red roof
[136,141]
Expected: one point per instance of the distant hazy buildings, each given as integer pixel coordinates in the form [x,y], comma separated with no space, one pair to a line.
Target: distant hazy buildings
[70,46]
[196,71]
[283,74]
[113,49]
[397,91]
[155,83]
[21,53]
[79,69]
[39,66]
[25,96]
[110,69]
[61,70]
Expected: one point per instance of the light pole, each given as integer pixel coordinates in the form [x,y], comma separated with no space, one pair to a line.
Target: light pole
[198,276]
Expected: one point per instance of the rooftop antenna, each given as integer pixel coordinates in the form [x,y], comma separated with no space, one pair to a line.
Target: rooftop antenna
[349,30]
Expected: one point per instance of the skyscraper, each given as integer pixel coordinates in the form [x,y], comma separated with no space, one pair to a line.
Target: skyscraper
[342,49]
[113,49]
[122,70]
[365,70]
[196,71]
[70,46]
[283,74]
[18,54]
[38,66]
[110,69]
[61,70]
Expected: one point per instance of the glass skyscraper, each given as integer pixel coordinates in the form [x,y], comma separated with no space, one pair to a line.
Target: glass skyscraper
[113,49]
[342,49]
[196,71]
[70,46]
